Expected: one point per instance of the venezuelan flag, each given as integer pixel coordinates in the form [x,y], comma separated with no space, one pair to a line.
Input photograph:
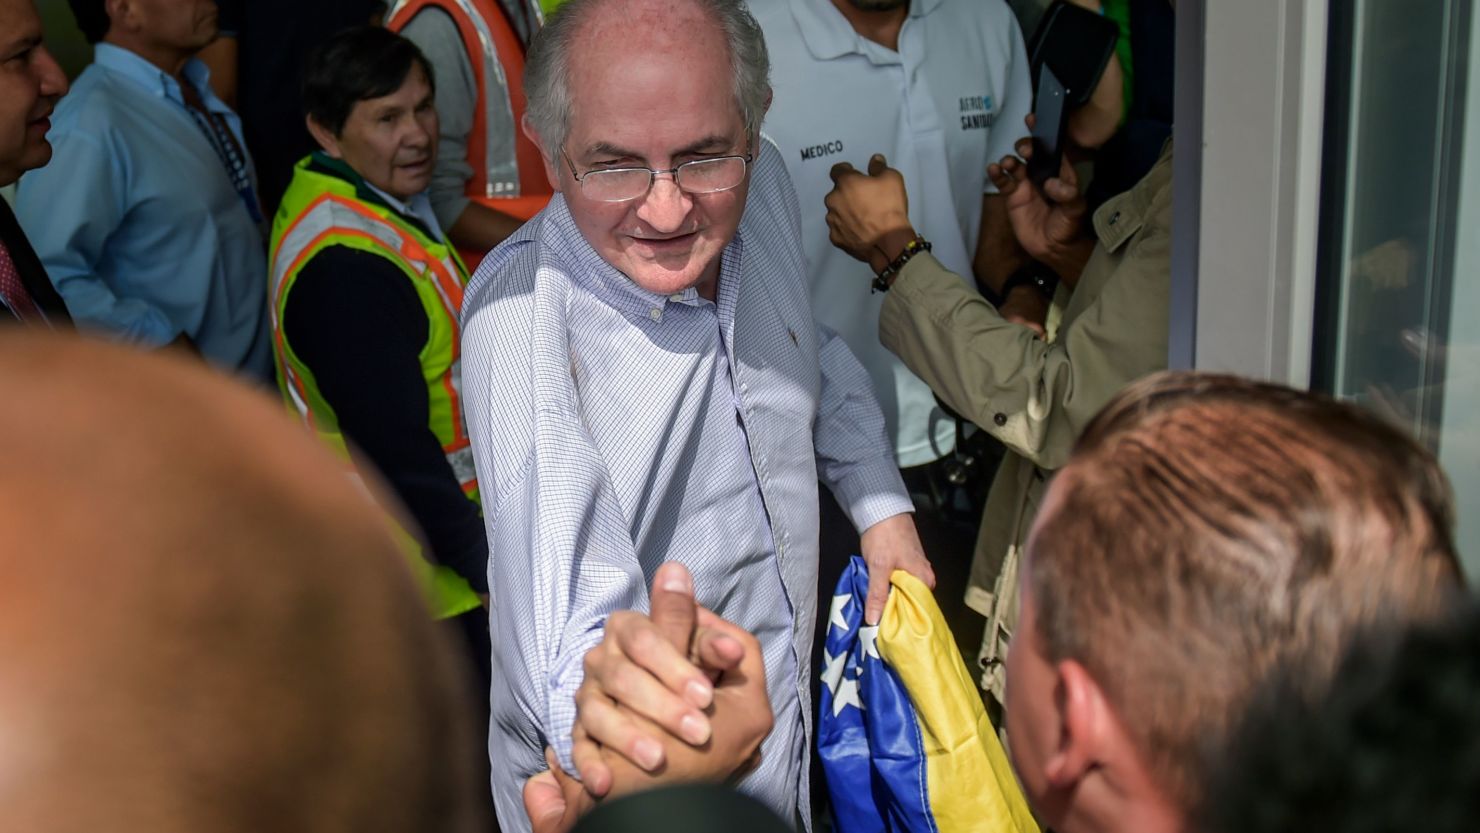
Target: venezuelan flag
[904,740]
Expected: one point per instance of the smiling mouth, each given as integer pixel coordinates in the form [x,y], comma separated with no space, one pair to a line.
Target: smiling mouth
[677,241]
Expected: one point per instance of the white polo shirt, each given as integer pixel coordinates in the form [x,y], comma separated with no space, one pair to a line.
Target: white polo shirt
[951,100]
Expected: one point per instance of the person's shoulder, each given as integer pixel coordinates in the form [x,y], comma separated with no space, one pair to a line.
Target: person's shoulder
[498,310]
[340,284]
[508,271]
[353,271]
[432,23]
[500,352]
[992,22]
[93,104]
[773,219]
[993,13]
[772,192]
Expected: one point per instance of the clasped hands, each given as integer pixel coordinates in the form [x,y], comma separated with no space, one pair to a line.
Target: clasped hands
[677,695]
[868,213]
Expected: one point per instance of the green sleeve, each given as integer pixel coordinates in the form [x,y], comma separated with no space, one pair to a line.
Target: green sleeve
[1120,12]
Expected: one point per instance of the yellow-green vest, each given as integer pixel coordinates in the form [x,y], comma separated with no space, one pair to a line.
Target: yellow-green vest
[327,204]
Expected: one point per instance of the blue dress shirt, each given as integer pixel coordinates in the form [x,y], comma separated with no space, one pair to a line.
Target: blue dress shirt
[615,429]
[138,222]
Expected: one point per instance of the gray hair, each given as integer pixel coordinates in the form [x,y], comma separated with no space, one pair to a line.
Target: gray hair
[547,69]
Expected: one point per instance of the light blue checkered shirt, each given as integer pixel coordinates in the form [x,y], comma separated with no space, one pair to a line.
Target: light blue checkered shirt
[615,429]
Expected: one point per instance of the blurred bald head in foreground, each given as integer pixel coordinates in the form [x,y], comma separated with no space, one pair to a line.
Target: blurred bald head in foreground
[203,625]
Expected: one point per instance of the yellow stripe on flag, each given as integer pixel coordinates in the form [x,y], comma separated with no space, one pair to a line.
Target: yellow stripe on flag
[970,781]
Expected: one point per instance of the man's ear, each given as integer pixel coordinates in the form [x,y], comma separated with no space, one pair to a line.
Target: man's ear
[324,136]
[1084,720]
[552,170]
[121,15]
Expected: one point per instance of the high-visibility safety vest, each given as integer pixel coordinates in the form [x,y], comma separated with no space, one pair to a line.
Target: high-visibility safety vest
[327,204]
[508,171]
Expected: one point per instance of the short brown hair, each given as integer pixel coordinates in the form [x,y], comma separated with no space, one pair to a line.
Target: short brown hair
[1208,528]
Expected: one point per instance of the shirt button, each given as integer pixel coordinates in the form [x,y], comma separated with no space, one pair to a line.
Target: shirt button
[744,388]
[1000,419]
[656,313]
[1114,217]
[677,296]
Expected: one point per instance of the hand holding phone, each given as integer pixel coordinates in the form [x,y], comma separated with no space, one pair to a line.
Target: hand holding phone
[1050,122]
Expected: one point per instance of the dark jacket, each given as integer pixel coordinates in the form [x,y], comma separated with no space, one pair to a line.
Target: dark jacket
[33,275]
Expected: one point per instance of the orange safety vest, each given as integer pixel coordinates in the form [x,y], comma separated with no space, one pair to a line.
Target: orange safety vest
[509,178]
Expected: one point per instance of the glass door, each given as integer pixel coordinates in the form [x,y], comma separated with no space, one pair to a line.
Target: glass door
[1398,293]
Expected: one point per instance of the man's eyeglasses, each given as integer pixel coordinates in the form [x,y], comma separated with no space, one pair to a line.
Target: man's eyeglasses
[701,176]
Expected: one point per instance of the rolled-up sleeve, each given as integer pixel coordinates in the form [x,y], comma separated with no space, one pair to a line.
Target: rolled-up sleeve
[1034,396]
[561,556]
[562,561]
[854,456]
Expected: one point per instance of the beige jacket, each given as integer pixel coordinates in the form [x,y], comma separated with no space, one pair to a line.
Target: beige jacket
[1037,396]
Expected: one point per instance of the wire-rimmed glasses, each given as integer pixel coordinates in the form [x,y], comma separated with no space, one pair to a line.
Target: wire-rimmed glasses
[699,176]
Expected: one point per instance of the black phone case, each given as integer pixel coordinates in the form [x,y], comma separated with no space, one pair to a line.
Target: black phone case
[1047,158]
[1077,43]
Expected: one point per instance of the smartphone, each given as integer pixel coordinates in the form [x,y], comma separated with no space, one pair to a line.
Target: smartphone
[1077,43]
[1050,112]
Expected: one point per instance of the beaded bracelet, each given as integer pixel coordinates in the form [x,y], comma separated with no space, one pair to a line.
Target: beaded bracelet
[912,248]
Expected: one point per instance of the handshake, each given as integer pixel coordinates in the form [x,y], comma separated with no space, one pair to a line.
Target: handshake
[674,696]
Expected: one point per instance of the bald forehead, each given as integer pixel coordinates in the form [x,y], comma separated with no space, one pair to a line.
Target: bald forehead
[658,18]
[628,30]
[192,592]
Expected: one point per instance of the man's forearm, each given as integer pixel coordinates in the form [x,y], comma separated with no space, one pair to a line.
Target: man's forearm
[854,454]
[548,612]
[979,363]
[998,254]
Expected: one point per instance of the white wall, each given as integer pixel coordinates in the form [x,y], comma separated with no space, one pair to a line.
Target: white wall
[1263,96]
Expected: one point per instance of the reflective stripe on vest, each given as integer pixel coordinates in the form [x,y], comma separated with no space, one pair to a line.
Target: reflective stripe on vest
[319,210]
[504,162]
[331,216]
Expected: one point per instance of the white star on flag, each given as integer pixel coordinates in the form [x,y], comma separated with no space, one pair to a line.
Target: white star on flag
[845,695]
[868,637]
[832,670]
[837,619]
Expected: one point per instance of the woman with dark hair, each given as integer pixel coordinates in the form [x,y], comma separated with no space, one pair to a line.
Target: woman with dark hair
[364,297]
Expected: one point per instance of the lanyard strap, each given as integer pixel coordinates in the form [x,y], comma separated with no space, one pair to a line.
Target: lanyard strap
[227,148]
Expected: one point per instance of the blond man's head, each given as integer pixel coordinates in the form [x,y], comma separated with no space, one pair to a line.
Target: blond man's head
[1207,529]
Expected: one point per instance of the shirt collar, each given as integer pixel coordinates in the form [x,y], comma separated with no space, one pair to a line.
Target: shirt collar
[829,35]
[605,281]
[418,209]
[132,66]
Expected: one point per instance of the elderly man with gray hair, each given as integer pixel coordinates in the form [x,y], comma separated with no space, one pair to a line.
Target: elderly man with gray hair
[645,382]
